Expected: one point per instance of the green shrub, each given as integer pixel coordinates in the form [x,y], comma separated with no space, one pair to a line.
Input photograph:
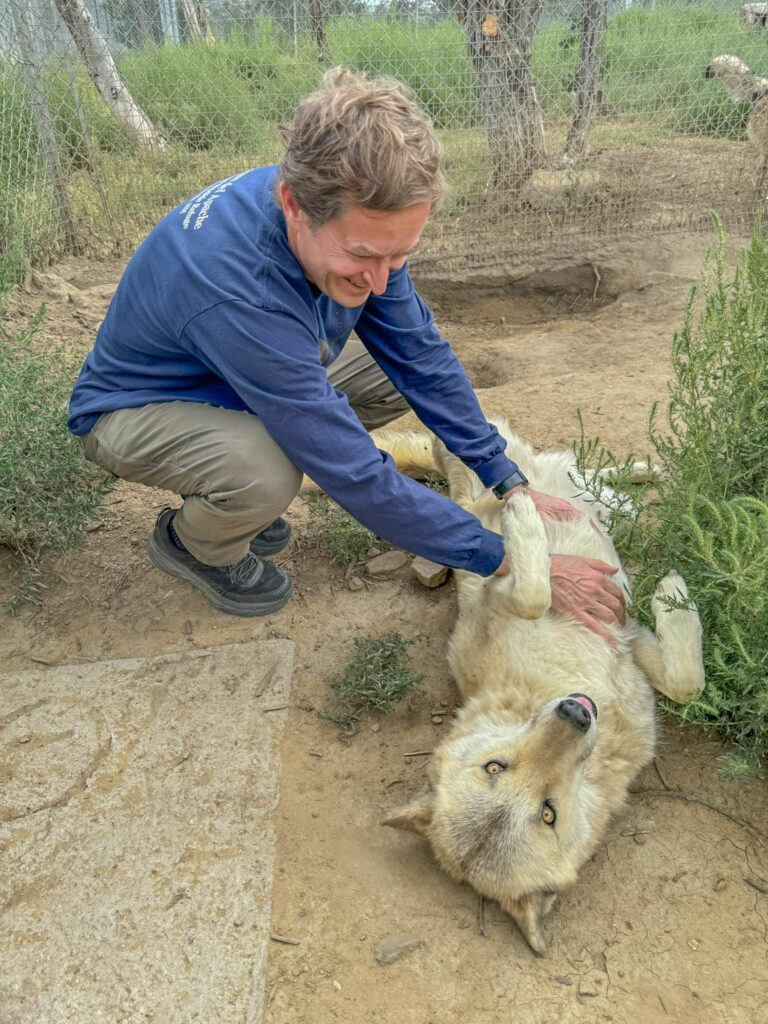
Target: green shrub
[374,678]
[48,493]
[346,539]
[707,513]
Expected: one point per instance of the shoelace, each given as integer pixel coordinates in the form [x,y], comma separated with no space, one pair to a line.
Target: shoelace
[247,571]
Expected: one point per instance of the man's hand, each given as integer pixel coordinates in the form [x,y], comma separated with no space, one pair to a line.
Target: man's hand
[581,588]
[547,506]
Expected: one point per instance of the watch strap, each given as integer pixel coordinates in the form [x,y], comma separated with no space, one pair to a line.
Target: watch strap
[516,479]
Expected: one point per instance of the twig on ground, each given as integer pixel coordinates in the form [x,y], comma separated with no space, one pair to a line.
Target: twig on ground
[658,772]
[266,679]
[598,279]
[480,914]
[674,795]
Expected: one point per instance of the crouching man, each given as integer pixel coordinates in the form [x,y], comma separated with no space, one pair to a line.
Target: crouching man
[224,368]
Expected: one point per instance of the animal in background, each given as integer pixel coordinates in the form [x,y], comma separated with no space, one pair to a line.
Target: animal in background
[743,86]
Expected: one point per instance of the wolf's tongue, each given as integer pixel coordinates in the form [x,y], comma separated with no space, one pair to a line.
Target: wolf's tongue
[586,703]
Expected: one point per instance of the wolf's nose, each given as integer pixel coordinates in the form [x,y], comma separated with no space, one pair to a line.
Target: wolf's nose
[574,713]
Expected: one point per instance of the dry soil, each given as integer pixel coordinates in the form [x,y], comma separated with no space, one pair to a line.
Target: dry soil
[669,921]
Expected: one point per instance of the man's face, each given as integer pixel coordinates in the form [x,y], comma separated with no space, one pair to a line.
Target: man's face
[351,256]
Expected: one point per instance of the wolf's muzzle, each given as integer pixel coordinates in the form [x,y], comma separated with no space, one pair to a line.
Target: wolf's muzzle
[575,711]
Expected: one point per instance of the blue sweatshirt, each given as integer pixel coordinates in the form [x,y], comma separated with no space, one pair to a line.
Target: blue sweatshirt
[213,307]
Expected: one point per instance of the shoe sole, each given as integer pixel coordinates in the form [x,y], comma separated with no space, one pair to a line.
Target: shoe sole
[268,547]
[162,561]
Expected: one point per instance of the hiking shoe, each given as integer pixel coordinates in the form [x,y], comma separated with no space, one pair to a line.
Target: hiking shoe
[250,587]
[272,538]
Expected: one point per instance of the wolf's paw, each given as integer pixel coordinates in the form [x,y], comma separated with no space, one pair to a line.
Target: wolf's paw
[678,631]
[525,542]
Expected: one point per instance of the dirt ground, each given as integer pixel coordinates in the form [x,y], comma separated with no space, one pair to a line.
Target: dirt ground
[669,921]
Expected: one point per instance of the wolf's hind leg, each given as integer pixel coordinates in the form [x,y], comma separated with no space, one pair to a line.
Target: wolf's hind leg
[672,657]
[641,473]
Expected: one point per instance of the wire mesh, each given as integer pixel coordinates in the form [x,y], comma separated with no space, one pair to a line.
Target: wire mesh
[562,120]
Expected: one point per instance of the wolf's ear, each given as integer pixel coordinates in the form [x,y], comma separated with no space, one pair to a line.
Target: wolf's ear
[528,913]
[415,816]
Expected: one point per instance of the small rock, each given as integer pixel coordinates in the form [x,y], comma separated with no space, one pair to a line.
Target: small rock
[375,727]
[437,719]
[394,947]
[355,583]
[593,984]
[562,980]
[720,884]
[372,552]
[390,561]
[429,574]
[640,839]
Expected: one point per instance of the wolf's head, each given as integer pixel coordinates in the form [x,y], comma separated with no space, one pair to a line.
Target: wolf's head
[737,77]
[510,808]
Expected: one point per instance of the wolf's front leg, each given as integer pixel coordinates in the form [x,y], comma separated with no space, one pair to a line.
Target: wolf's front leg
[525,591]
[672,658]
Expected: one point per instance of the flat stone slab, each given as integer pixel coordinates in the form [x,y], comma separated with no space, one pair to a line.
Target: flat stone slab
[136,841]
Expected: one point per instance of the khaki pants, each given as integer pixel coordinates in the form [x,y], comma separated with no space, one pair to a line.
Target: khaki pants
[235,478]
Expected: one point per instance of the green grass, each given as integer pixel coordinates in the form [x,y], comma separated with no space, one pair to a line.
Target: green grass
[346,539]
[48,492]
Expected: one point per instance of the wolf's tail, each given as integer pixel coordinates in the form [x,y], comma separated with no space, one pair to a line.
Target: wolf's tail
[412,450]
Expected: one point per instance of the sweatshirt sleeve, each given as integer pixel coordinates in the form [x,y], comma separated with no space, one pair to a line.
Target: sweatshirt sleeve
[398,330]
[271,361]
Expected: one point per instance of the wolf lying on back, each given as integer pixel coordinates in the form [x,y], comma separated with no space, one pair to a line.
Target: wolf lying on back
[557,722]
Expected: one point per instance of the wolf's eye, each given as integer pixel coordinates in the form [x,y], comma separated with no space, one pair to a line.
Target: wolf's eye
[494,767]
[548,814]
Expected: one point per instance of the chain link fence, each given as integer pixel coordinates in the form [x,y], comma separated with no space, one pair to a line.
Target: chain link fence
[563,120]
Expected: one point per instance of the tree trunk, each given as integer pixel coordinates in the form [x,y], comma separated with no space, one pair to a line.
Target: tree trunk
[499,42]
[44,122]
[586,81]
[196,21]
[316,23]
[104,74]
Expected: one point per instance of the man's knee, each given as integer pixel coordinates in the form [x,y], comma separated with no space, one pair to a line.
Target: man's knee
[266,490]
[256,474]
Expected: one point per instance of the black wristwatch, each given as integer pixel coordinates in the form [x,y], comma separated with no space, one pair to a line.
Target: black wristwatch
[515,480]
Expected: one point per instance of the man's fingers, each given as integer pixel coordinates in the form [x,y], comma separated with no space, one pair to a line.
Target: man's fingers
[595,626]
[608,613]
[601,566]
[609,587]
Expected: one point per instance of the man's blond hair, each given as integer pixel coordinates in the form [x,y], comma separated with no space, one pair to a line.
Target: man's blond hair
[359,142]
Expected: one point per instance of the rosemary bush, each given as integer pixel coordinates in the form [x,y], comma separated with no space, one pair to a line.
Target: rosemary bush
[706,513]
[48,492]
[374,678]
